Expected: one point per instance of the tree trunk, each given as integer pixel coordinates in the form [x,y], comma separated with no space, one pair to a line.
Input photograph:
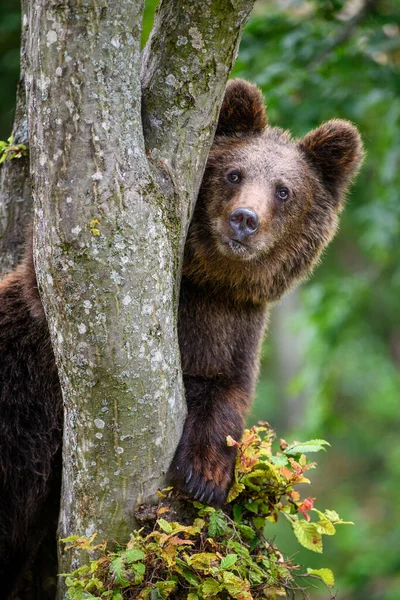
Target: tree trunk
[15,192]
[111,213]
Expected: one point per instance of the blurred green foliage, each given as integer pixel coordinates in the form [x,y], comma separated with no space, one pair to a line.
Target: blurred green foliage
[10,17]
[313,65]
[315,61]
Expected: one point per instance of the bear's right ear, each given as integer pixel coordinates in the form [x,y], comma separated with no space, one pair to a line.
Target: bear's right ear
[243,110]
[335,150]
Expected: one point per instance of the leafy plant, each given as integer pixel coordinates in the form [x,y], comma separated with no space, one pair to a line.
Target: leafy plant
[9,150]
[221,554]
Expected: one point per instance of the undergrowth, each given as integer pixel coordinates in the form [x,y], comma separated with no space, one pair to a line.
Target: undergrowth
[221,554]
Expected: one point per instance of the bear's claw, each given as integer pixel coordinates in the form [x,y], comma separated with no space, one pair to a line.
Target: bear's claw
[197,486]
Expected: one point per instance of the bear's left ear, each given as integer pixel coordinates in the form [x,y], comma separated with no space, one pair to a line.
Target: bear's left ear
[335,149]
[242,111]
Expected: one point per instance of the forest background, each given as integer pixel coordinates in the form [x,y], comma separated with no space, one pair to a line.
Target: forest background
[331,362]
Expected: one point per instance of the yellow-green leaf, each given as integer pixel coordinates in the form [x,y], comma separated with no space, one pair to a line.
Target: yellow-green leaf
[308,535]
[117,568]
[210,587]
[228,561]
[234,491]
[164,525]
[236,587]
[202,561]
[325,527]
[133,554]
[325,574]
[305,447]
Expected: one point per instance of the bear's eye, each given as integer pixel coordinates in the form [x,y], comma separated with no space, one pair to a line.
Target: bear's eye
[283,193]
[235,176]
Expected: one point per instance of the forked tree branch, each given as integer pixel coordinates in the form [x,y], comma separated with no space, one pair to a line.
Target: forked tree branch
[185,67]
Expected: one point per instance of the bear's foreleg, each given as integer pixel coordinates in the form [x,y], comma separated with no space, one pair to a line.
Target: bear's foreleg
[203,463]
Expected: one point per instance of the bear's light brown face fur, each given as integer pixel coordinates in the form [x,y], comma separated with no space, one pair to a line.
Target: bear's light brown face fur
[271,179]
[268,204]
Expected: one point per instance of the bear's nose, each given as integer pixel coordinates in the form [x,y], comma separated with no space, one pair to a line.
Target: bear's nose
[244,223]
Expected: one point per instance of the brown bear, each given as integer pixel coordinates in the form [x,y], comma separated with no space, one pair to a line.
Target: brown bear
[267,208]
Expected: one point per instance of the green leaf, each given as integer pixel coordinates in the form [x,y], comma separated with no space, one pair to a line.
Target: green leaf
[246,531]
[325,574]
[165,587]
[192,596]
[259,522]
[218,524]
[325,527]
[139,570]
[210,587]
[191,578]
[237,510]
[133,555]
[228,561]
[305,447]
[202,561]
[236,587]
[252,507]
[117,568]
[334,518]
[239,549]
[235,489]
[279,461]
[75,594]
[308,535]
[164,525]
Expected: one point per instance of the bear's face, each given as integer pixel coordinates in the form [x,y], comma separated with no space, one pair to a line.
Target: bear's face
[268,205]
[258,191]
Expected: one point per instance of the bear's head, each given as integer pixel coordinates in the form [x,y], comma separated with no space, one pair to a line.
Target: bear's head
[268,204]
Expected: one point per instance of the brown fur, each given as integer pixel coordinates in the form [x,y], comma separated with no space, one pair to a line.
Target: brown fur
[226,289]
[227,285]
[30,426]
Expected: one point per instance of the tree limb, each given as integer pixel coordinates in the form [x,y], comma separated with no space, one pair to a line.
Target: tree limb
[185,67]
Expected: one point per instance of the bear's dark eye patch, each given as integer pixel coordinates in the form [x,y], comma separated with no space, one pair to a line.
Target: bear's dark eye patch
[282,193]
[234,176]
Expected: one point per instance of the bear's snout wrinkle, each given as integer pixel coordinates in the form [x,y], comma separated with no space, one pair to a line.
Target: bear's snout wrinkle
[244,222]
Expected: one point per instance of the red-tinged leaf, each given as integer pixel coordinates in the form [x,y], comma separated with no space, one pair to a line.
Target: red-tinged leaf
[286,473]
[305,506]
[283,444]
[231,442]
[163,510]
[179,542]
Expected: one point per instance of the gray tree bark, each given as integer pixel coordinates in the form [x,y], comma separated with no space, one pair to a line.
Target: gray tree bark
[113,196]
[15,192]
